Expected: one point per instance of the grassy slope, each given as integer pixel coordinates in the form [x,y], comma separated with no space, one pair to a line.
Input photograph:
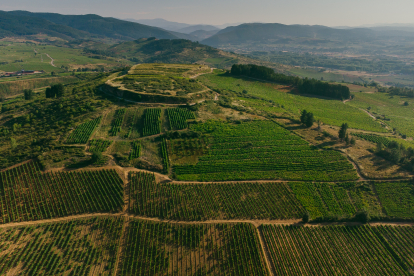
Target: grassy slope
[72,58]
[332,112]
[402,117]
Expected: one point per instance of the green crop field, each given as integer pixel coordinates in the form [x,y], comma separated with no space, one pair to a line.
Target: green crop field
[99,145]
[331,112]
[151,121]
[77,247]
[397,198]
[212,201]
[28,194]
[262,150]
[117,122]
[211,249]
[178,117]
[340,250]
[83,132]
[329,200]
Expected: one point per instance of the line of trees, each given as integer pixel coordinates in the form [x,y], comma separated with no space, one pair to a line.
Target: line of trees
[305,86]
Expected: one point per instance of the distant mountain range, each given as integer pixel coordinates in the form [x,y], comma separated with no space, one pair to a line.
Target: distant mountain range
[274,32]
[75,27]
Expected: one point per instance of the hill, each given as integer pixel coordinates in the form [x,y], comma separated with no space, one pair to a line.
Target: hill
[12,25]
[274,31]
[89,25]
[170,51]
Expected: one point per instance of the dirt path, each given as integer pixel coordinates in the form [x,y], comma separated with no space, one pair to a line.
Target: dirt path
[195,76]
[52,60]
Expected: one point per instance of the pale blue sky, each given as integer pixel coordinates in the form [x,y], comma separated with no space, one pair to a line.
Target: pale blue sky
[322,12]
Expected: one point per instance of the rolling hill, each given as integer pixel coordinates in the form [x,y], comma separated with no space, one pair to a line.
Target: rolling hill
[77,26]
[169,51]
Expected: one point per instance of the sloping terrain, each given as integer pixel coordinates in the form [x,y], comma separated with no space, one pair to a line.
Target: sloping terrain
[80,26]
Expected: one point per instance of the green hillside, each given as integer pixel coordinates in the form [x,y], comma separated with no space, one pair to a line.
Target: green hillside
[12,25]
[76,26]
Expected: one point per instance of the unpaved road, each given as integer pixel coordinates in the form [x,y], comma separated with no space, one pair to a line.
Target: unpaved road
[52,60]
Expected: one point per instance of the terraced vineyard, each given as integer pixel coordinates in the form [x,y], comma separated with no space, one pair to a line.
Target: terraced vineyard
[152,121]
[262,150]
[136,150]
[340,250]
[212,201]
[117,123]
[76,247]
[178,117]
[28,194]
[99,145]
[328,200]
[153,248]
[83,132]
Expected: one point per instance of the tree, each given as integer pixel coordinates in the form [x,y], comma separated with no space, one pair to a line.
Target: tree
[363,216]
[96,157]
[353,141]
[49,92]
[307,118]
[347,140]
[28,94]
[380,147]
[13,143]
[319,125]
[343,131]
[303,115]
[55,91]
[306,217]
[406,103]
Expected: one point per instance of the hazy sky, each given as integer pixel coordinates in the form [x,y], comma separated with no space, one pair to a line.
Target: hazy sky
[322,12]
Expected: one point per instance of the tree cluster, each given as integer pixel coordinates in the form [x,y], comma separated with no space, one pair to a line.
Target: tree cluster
[305,86]
[397,154]
[55,91]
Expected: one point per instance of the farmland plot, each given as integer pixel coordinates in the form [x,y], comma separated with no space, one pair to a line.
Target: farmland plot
[262,150]
[339,250]
[212,201]
[28,194]
[153,248]
[77,247]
